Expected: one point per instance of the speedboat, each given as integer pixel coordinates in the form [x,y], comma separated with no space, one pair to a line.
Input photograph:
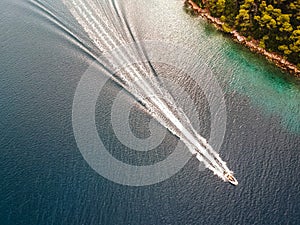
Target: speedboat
[230,178]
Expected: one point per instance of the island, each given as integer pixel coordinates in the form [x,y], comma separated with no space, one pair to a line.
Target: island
[270,28]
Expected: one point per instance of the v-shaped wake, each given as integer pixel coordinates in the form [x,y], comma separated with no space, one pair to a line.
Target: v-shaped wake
[107,27]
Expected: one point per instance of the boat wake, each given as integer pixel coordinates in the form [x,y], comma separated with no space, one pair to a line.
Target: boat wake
[106,25]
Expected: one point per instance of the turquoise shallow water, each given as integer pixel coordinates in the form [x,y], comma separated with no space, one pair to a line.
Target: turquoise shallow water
[268,88]
[45,179]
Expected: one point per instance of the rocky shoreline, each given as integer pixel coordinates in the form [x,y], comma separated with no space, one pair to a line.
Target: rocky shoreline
[277,59]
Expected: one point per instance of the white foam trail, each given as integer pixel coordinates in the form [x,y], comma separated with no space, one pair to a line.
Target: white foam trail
[142,84]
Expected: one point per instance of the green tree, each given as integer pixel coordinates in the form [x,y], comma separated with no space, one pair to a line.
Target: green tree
[275,24]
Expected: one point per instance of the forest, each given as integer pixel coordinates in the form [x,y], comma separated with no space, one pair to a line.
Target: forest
[273,24]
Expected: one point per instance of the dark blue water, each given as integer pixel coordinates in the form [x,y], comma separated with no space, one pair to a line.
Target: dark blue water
[45,179]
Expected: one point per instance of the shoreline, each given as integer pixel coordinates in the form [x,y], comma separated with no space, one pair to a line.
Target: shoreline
[275,58]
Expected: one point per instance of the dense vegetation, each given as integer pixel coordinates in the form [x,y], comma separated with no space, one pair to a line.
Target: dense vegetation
[275,24]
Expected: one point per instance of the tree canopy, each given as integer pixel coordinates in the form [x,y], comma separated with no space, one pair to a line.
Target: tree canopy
[275,24]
